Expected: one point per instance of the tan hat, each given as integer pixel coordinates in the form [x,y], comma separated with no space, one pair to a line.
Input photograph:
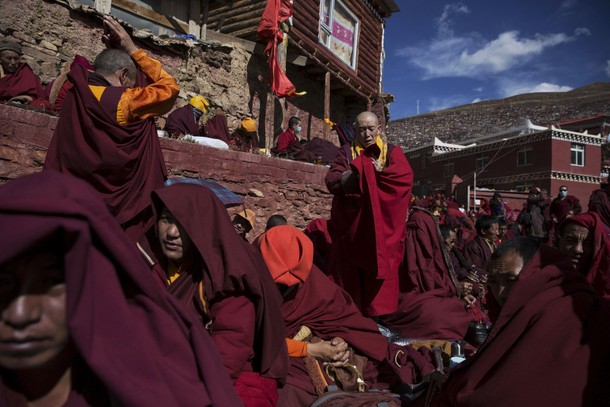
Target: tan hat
[248,215]
[199,102]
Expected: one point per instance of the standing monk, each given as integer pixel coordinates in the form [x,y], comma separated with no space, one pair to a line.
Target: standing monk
[371,183]
[106,133]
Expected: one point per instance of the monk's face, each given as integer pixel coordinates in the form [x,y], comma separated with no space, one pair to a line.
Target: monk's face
[33,330]
[174,241]
[9,60]
[492,233]
[367,129]
[576,243]
[503,273]
[450,240]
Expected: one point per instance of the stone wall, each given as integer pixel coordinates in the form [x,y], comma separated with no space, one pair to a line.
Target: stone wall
[268,185]
[52,33]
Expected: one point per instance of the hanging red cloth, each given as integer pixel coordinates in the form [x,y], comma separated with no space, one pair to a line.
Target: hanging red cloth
[276,12]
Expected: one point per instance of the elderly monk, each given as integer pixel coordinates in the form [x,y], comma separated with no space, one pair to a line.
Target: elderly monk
[81,322]
[311,300]
[584,239]
[185,120]
[429,305]
[18,83]
[195,252]
[549,345]
[371,182]
[106,132]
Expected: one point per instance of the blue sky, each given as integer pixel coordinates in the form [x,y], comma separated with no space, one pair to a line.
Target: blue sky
[447,54]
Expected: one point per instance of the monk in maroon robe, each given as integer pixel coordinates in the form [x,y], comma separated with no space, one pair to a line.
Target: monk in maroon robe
[549,344]
[371,183]
[584,238]
[185,120]
[106,132]
[195,252]
[480,248]
[81,321]
[600,204]
[429,304]
[216,127]
[310,299]
[17,80]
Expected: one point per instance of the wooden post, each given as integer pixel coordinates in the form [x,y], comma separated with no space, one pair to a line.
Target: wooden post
[103,6]
[326,132]
[282,50]
[204,19]
[270,122]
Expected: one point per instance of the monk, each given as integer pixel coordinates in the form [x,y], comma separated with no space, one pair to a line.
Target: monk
[185,120]
[315,305]
[584,238]
[81,322]
[371,182]
[18,83]
[195,252]
[429,305]
[245,138]
[106,133]
[480,248]
[549,345]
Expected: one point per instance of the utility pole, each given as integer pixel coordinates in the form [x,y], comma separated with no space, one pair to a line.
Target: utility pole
[418,106]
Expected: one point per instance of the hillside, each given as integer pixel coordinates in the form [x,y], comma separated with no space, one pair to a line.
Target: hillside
[478,119]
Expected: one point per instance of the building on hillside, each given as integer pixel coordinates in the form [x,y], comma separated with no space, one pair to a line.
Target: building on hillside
[512,160]
[335,52]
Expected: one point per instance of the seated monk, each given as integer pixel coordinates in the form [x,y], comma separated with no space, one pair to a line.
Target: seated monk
[185,120]
[18,83]
[549,345]
[583,238]
[429,304]
[216,126]
[195,252]
[81,322]
[245,138]
[314,305]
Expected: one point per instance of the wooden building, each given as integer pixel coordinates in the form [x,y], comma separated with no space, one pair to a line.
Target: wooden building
[334,51]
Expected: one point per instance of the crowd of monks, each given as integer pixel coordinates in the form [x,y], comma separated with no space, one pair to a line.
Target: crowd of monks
[116,289]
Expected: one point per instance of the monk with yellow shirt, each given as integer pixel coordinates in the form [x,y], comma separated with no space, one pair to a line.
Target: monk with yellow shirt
[106,134]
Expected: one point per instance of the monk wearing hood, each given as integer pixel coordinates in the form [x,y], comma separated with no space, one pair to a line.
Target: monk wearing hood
[195,252]
[81,321]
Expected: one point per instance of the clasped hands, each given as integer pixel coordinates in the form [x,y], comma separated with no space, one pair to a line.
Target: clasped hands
[334,352]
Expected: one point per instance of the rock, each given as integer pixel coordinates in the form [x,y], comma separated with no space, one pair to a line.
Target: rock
[256,193]
[24,37]
[46,44]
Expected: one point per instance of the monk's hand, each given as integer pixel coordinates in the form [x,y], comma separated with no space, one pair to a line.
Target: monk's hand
[377,165]
[470,300]
[466,287]
[323,351]
[115,36]
[21,99]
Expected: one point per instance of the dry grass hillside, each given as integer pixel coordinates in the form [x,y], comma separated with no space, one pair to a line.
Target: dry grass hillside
[478,119]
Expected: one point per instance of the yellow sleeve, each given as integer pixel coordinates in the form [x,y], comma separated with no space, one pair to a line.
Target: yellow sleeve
[296,349]
[153,100]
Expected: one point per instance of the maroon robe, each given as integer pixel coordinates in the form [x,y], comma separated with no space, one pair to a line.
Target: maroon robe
[216,127]
[478,252]
[549,345]
[242,301]
[134,341]
[600,204]
[598,273]
[182,121]
[561,207]
[22,82]
[429,305]
[123,163]
[368,227]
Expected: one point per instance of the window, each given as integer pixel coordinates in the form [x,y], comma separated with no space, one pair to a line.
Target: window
[448,170]
[578,155]
[339,31]
[424,162]
[525,156]
[481,164]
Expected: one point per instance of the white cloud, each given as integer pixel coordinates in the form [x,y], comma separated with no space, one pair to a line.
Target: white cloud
[608,67]
[567,4]
[450,55]
[479,89]
[512,88]
[476,100]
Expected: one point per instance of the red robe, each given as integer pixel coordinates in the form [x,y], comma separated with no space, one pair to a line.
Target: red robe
[429,305]
[368,228]
[241,303]
[285,140]
[123,162]
[22,82]
[136,345]
[182,121]
[549,345]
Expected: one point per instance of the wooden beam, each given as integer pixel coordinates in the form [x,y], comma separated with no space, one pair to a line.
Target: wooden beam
[151,15]
[326,131]
[195,18]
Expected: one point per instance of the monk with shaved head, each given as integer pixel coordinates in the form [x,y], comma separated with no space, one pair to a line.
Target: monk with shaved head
[371,182]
